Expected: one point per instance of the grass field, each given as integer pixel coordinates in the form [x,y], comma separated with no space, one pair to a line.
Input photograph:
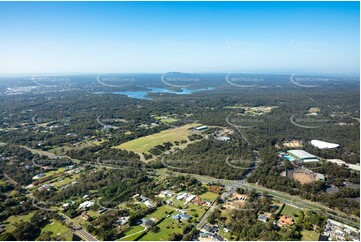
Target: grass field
[289,210]
[53,172]
[209,196]
[144,144]
[167,226]
[132,230]
[160,213]
[167,120]
[195,211]
[58,230]
[308,235]
[11,221]
[67,180]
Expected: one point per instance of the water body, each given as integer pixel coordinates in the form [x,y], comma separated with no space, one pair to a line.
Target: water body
[144,94]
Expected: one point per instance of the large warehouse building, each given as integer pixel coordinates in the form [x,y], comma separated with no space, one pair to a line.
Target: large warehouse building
[302,155]
[324,145]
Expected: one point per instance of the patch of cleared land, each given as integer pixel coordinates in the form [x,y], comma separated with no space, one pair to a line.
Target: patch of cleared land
[314,110]
[293,144]
[166,119]
[60,150]
[144,144]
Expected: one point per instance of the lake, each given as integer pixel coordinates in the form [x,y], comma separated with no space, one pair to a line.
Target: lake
[144,94]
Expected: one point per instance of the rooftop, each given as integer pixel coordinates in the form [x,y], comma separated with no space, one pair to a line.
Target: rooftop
[324,145]
[301,154]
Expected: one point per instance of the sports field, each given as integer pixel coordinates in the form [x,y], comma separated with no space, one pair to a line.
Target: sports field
[144,144]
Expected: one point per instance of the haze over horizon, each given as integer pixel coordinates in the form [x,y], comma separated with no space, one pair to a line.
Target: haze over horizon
[158,37]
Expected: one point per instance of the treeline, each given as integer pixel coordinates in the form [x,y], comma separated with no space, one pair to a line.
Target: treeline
[227,160]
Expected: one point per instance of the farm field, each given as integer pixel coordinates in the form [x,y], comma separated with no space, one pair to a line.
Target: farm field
[144,144]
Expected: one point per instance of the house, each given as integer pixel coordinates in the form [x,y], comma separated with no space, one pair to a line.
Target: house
[122,220]
[285,221]
[320,176]
[146,222]
[143,199]
[39,176]
[85,216]
[102,210]
[86,205]
[148,204]
[198,201]
[166,193]
[201,128]
[169,202]
[263,218]
[182,217]
[181,196]
[223,138]
[210,228]
[189,199]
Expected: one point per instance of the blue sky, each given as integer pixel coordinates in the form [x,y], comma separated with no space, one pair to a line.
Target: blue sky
[156,37]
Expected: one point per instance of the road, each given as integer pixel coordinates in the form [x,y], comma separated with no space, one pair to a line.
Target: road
[78,229]
[10,179]
[44,153]
[206,214]
[282,197]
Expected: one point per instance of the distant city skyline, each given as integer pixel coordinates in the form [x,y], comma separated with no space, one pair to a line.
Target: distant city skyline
[159,37]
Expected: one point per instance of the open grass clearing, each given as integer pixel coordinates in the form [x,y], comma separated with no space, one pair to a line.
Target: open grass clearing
[144,144]
[160,212]
[167,227]
[308,235]
[11,222]
[289,210]
[136,230]
[57,229]
[209,196]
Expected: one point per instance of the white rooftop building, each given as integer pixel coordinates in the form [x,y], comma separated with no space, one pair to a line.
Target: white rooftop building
[189,199]
[86,204]
[223,138]
[324,145]
[303,155]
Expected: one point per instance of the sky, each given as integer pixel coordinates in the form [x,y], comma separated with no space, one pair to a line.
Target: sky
[158,37]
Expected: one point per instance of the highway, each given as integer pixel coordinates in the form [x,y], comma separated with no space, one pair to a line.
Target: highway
[295,201]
